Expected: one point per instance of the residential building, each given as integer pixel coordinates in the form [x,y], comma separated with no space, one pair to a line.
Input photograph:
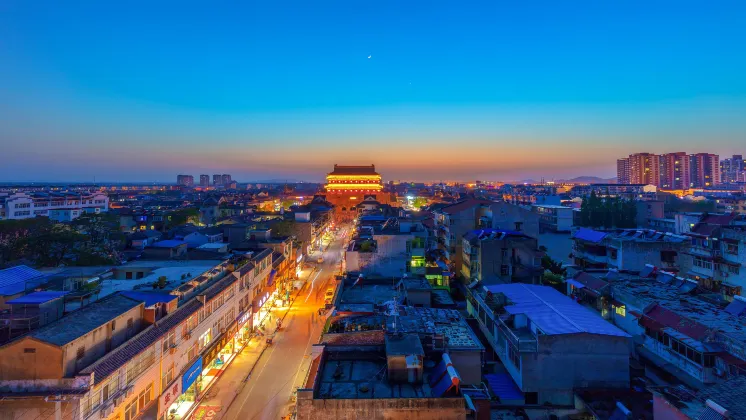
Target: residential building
[17,281]
[455,220]
[26,205]
[226,180]
[493,256]
[549,344]
[628,249]
[678,326]
[144,238]
[204,180]
[733,170]
[185,180]
[554,218]
[675,171]
[43,366]
[204,236]
[622,171]
[720,401]
[644,168]
[217,180]
[628,191]
[705,170]
[716,258]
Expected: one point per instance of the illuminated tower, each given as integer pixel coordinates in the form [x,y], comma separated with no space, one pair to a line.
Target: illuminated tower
[348,186]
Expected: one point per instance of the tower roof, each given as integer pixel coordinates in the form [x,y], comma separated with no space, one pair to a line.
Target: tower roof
[354,170]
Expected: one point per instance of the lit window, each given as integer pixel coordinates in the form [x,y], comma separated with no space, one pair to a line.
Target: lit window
[621,311]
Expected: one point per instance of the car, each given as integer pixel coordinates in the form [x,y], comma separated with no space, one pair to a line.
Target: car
[320,260]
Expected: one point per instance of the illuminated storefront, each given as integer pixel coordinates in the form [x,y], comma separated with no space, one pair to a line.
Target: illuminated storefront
[181,395]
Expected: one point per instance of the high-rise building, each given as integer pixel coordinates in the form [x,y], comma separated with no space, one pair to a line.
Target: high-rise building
[675,171]
[204,180]
[622,171]
[732,169]
[644,168]
[226,179]
[185,180]
[705,169]
[217,179]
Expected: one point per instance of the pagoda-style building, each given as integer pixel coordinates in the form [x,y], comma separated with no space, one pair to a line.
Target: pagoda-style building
[348,186]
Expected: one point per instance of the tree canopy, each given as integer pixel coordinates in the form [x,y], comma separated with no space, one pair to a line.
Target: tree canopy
[609,212]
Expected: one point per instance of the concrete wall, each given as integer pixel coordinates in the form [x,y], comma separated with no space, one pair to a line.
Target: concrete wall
[468,364]
[102,340]
[379,409]
[505,215]
[35,409]
[565,362]
[29,359]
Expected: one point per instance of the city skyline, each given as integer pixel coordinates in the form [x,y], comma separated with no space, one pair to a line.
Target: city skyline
[425,91]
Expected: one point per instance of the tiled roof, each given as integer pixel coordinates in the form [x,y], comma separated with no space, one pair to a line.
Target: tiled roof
[362,338]
[719,219]
[463,205]
[667,318]
[354,170]
[590,281]
[119,357]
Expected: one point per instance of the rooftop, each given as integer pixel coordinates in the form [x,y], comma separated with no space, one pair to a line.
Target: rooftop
[446,322]
[730,395]
[37,298]
[552,312]
[637,235]
[82,321]
[14,280]
[354,170]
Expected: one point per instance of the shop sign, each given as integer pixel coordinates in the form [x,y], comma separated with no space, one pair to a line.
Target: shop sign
[191,374]
[207,412]
[168,397]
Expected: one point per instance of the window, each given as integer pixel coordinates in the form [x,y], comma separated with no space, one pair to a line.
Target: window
[733,269]
[531,398]
[703,263]
[81,353]
[130,410]
[515,356]
[621,311]
[110,388]
[168,377]
[130,324]
[169,341]
[29,351]
[504,270]
[193,351]
[709,360]
[205,338]
[731,248]
[114,325]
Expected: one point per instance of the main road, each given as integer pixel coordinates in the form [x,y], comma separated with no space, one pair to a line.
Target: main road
[282,368]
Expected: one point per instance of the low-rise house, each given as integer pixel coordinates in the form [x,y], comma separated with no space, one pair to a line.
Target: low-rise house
[549,344]
[554,218]
[145,238]
[628,249]
[209,235]
[17,281]
[495,256]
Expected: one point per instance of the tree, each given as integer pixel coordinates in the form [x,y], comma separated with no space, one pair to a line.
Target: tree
[419,202]
[184,216]
[553,266]
[284,228]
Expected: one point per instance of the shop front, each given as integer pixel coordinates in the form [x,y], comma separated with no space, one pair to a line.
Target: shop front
[218,355]
[179,398]
[262,305]
[244,328]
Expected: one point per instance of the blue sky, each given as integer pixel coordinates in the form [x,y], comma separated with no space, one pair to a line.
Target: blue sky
[452,90]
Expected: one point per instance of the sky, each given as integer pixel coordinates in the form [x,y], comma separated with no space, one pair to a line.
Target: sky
[426,90]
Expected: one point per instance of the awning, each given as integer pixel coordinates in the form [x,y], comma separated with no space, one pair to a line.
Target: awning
[577,284]
[271,280]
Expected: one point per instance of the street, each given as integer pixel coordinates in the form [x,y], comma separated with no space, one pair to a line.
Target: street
[267,393]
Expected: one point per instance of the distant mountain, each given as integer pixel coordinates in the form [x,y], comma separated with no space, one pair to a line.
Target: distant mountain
[587,180]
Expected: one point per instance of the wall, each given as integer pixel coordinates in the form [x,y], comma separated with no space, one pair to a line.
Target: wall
[102,340]
[35,409]
[575,361]
[468,364]
[44,363]
[379,409]
[505,215]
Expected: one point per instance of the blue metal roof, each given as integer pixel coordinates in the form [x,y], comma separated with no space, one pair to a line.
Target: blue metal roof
[552,312]
[37,298]
[589,235]
[168,243]
[150,298]
[13,280]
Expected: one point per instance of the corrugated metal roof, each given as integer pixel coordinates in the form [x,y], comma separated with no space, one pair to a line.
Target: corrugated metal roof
[552,312]
[589,235]
[37,298]
[503,386]
[13,280]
